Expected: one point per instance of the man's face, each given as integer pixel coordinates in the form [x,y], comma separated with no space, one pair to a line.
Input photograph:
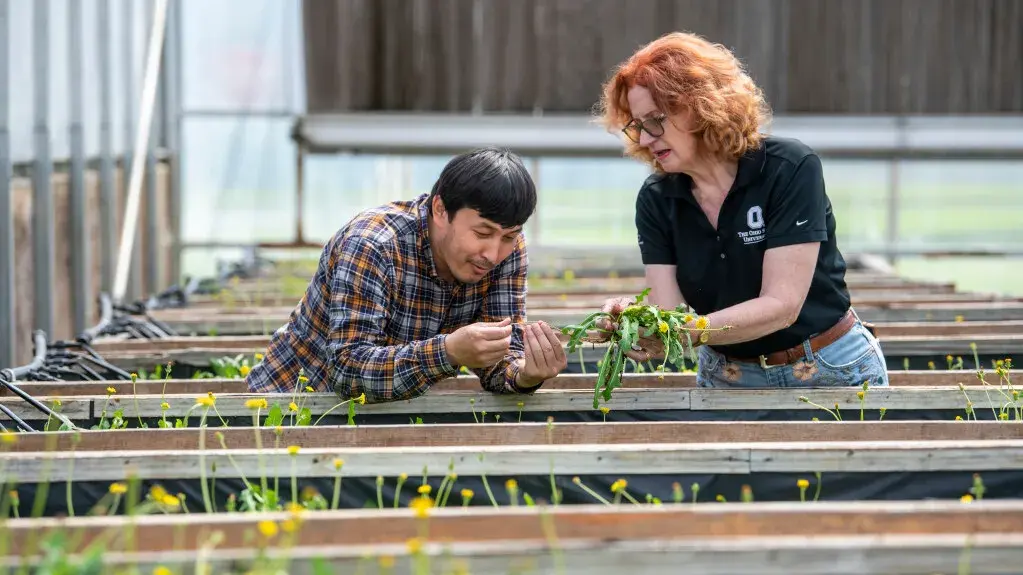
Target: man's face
[468,247]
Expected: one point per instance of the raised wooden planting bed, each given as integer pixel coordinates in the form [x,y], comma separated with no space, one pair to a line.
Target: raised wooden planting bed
[936,461]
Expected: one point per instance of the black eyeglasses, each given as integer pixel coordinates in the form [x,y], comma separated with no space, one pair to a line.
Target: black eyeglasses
[652,126]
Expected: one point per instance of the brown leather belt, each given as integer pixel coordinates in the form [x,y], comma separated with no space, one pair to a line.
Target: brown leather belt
[817,342]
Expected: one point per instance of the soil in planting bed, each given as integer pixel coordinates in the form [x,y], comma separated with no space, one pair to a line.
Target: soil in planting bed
[360,492]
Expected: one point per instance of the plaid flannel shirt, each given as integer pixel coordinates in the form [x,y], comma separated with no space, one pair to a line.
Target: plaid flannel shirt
[375,315]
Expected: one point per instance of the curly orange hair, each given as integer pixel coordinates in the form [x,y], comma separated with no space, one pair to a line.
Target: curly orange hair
[685,72]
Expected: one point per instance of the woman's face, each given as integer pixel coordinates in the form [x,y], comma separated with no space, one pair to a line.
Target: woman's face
[674,148]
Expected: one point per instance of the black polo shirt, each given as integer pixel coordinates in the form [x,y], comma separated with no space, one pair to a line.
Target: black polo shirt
[777,199]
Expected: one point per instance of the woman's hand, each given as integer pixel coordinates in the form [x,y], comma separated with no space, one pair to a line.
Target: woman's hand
[606,326]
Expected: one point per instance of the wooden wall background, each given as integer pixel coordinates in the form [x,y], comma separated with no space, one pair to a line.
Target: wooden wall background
[810,56]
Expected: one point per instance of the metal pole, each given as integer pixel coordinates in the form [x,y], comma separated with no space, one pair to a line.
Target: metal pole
[172,133]
[7,327]
[152,235]
[76,174]
[42,198]
[128,61]
[108,196]
[145,120]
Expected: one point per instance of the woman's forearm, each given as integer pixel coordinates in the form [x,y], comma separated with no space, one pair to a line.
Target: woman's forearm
[749,320]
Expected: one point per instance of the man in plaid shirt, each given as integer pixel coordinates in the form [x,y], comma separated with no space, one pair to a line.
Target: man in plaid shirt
[408,292]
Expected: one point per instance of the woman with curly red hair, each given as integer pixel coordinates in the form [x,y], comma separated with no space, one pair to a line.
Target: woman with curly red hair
[735,224]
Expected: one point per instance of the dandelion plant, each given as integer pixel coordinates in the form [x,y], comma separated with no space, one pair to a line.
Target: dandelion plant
[633,322]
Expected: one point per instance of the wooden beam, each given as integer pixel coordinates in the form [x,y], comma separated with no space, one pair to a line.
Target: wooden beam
[525,433]
[984,397]
[758,525]
[622,460]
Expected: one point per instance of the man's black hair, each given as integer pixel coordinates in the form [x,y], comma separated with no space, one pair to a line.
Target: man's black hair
[492,181]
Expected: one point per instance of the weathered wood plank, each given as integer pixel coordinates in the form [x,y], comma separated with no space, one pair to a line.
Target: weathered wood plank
[802,555]
[525,433]
[757,525]
[506,460]
[520,460]
[983,397]
[884,456]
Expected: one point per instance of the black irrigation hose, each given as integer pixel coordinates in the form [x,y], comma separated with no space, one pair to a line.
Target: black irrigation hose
[9,376]
[18,422]
[105,317]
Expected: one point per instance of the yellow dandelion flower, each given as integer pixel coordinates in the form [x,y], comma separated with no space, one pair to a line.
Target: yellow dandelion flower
[118,488]
[338,463]
[244,370]
[293,449]
[402,477]
[157,492]
[267,528]
[289,526]
[702,322]
[256,403]
[619,485]
[966,498]
[605,409]
[161,570]
[802,484]
[294,508]
[309,389]
[687,318]
[662,327]
[361,399]
[859,395]
[959,418]
[424,489]
[164,406]
[467,493]
[8,437]
[421,506]
[292,406]
[303,379]
[258,357]
[170,501]
[960,319]
[511,485]
[111,391]
[205,400]
[415,545]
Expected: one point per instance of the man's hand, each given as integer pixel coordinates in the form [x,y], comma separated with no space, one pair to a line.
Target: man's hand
[480,344]
[545,357]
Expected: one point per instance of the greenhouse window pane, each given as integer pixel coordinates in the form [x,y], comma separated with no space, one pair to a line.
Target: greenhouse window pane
[959,204]
[241,55]
[238,182]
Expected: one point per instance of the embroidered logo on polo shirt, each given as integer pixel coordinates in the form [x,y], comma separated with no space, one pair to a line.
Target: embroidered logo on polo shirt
[755,222]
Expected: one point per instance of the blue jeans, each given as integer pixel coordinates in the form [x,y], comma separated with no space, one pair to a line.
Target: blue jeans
[849,361]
